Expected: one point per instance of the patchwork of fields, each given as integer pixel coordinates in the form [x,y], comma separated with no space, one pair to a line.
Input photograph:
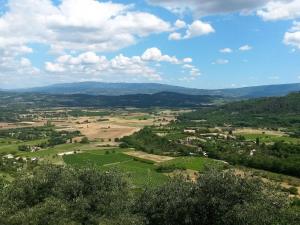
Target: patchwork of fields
[140,172]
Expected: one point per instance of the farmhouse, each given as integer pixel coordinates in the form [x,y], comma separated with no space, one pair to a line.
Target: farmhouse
[189,131]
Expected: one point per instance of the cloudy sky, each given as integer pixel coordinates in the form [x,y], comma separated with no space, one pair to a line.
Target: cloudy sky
[193,43]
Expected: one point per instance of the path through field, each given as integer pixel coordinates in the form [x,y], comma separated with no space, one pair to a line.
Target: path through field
[151,157]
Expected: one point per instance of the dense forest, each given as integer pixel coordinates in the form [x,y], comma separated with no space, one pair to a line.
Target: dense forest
[55,195]
[279,157]
[265,112]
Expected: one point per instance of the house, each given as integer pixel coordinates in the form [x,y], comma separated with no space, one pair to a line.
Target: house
[189,131]
[252,152]
[9,156]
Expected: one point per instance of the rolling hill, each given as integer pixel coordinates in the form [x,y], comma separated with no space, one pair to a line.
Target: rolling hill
[116,89]
[272,112]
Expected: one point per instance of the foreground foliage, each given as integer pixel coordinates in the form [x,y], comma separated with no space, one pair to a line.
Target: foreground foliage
[59,195]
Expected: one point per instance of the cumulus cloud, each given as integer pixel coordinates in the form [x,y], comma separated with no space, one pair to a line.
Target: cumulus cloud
[13,68]
[175,36]
[201,8]
[292,37]
[197,28]
[226,50]
[120,67]
[154,54]
[245,48]
[179,24]
[280,10]
[87,25]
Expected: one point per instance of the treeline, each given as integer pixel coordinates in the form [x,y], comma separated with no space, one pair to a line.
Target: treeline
[11,114]
[279,157]
[28,133]
[47,132]
[55,195]
[35,133]
[146,140]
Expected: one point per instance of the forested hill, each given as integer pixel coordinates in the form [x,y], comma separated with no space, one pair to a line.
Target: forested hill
[272,112]
[163,99]
[286,104]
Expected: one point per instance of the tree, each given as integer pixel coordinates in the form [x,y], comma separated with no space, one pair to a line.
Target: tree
[257,141]
[84,140]
[57,195]
[217,198]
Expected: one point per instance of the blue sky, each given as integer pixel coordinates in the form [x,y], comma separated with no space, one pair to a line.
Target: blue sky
[193,43]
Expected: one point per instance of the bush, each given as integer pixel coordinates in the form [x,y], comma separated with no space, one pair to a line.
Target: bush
[293,190]
[24,148]
[84,140]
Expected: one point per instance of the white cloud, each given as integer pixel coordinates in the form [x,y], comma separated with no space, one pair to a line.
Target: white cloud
[201,8]
[15,71]
[118,68]
[188,60]
[154,54]
[221,61]
[226,50]
[25,62]
[197,28]
[175,36]
[292,37]
[180,24]
[245,48]
[54,67]
[280,10]
[193,71]
[87,25]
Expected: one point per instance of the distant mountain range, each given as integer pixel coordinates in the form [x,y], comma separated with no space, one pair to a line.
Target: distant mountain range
[162,99]
[116,89]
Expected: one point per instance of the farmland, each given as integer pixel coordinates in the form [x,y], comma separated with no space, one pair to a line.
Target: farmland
[146,151]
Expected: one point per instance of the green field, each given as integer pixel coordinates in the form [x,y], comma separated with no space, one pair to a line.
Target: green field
[194,163]
[267,138]
[139,173]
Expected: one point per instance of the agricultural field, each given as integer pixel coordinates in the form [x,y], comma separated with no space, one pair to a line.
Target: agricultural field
[153,155]
[141,168]
[102,125]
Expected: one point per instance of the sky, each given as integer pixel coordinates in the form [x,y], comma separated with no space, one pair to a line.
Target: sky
[206,44]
